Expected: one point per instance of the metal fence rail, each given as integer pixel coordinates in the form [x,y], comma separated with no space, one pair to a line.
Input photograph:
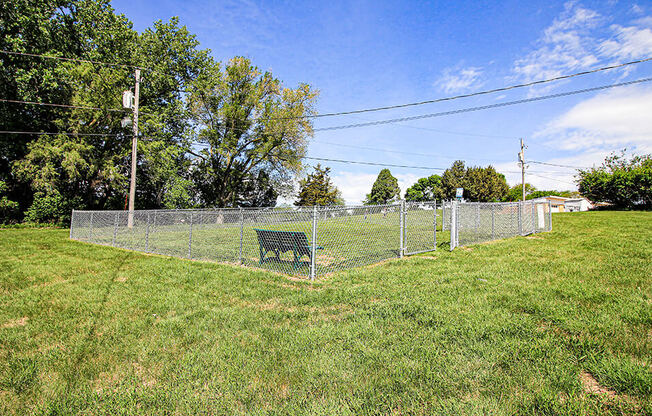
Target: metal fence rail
[308,241]
[471,222]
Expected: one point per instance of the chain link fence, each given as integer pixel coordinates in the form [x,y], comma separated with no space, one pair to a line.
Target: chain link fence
[305,241]
[475,222]
[309,241]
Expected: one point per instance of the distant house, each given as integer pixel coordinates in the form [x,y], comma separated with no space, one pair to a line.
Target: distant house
[577,204]
[561,204]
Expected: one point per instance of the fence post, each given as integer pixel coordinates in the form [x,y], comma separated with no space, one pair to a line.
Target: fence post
[534,218]
[493,221]
[443,215]
[115,228]
[453,224]
[190,239]
[520,218]
[477,218]
[434,226]
[147,235]
[549,216]
[72,223]
[90,229]
[401,222]
[241,232]
[313,246]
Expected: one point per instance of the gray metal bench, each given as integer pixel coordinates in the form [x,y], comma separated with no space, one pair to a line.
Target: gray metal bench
[279,242]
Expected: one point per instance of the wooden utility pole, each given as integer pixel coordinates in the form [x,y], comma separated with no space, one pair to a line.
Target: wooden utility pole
[521,159]
[134,150]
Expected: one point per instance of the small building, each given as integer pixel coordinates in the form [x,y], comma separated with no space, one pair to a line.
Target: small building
[562,204]
[577,204]
[557,203]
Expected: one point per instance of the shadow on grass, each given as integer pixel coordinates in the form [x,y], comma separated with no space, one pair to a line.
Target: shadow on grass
[87,346]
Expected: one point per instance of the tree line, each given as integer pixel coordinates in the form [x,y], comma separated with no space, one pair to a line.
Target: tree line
[621,182]
[213,134]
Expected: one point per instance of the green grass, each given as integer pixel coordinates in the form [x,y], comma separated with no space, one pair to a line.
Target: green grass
[345,242]
[508,327]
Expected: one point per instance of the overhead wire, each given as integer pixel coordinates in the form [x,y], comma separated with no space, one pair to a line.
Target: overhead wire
[553,179]
[485,92]
[483,107]
[376,149]
[558,165]
[374,109]
[62,58]
[42,133]
[80,107]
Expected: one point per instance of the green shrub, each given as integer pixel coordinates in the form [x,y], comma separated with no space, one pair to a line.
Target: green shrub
[51,208]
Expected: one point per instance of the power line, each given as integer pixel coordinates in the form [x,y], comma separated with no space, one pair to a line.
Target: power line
[401,152]
[81,107]
[458,133]
[42,133]
[553,179]
[555,164]
[485,92]
[61,58]
[483,107]
[371,163]
[390,107]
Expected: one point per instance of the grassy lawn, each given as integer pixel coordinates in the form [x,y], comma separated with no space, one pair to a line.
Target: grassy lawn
[557,323]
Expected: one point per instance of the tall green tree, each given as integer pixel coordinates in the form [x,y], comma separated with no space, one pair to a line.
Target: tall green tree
[482,184]
[384,190]
[453,178]
[52,167]
[78,170]
[425,189]
[317,189]
[622,181]
[485,184]
[248,122]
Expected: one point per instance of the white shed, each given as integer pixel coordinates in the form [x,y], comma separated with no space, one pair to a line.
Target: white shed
[577,204]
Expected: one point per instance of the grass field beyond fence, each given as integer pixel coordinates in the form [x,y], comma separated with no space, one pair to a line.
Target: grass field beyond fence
[555,323]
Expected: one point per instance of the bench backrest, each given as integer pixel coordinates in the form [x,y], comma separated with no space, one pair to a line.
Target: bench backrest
[271,239]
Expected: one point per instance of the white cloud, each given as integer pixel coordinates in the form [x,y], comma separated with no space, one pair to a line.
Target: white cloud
[578,40]
[565,45]
[456,79]
[628,43]
[616,119]
[590,130]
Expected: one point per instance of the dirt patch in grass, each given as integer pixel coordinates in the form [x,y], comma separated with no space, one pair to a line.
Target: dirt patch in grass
[534,237]
[15,322]
[144,375]
[591,386]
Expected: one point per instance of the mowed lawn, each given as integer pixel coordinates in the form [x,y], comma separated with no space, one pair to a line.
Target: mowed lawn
[557,323]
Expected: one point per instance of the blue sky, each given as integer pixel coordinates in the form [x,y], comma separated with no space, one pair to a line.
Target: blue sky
[362,54]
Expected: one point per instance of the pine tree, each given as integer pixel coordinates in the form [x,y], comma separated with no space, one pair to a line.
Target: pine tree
[384,190]
[317,189]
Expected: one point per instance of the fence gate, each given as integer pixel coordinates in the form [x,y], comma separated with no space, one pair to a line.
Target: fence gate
[420,227]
